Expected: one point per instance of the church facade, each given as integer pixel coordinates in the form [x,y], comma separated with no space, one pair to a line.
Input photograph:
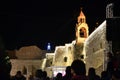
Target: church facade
[89,48]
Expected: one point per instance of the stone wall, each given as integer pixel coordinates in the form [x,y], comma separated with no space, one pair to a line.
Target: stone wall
[78,51]
[95,47]
[27,67]
[50,59]
[64,55]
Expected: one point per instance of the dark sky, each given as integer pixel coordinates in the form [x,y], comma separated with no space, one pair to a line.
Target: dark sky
[37,22]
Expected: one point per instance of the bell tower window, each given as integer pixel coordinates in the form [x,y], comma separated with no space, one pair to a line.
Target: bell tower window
[83,32]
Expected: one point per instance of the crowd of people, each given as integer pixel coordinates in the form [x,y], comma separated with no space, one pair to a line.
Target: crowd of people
[77,71]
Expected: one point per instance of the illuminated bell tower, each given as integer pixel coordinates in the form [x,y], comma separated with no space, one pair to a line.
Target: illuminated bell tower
[81,28]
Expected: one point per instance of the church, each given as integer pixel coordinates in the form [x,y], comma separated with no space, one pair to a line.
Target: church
[91,48]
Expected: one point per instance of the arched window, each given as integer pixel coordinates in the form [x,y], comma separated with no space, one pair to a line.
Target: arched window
[82,56]
[65,59]
[83,32]
[81,20]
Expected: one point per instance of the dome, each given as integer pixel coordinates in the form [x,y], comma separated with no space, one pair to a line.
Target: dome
[29,52]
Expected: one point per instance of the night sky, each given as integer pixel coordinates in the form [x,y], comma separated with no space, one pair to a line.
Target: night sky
[37,22]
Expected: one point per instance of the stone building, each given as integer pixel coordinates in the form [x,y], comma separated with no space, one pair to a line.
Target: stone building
[27,60]
[64,55]
[89,48]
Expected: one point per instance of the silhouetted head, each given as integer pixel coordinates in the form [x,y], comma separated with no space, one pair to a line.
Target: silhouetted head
[103,73]
[18,72]
[68,69]
[116,75]
[38,73]
[44,74]
[78,67]
[91,71]
[59,75]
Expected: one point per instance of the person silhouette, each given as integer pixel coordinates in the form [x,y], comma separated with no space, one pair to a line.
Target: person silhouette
[19,76]
[78,70]
[68,74]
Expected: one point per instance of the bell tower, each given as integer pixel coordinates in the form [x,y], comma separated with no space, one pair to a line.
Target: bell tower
[81,28]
